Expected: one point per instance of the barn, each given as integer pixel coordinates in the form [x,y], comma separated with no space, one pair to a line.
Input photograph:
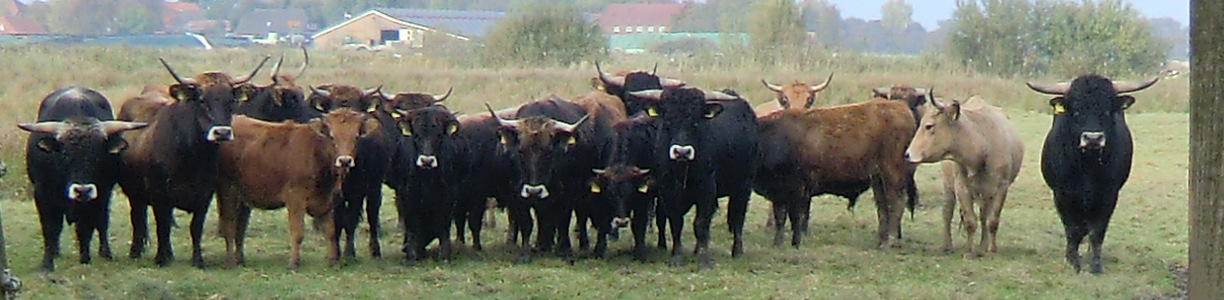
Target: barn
[406,27]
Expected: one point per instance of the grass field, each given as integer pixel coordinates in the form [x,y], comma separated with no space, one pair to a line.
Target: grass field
[837,261]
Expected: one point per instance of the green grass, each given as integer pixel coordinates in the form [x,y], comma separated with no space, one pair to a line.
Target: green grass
[837,261]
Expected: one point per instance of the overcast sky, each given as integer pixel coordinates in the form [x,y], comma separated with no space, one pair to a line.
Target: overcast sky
[929,12]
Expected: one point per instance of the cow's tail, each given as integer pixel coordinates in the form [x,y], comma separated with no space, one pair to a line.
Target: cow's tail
[911,190]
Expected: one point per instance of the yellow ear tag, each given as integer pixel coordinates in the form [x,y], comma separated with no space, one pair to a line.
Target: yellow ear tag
[396,115]
[651,112]
[572,141]
[644,188]
[710,114]
[452,129]
[504,140]
[319,106]
[1059,109]
[405,131]
[595,188]
[372,108]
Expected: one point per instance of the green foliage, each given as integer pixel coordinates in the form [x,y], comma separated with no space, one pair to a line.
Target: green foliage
[775,31]
[824,19]
[713,16]
[546,34]
[1033,37]
[895,15]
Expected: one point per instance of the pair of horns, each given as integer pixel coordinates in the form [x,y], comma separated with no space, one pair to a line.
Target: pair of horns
[301,70]
[814,89]
[557,124]
[56,127]
[238,80]
[1121,87]
[885,90]
[635,170]
[620,80]
[709,95]
[327,93]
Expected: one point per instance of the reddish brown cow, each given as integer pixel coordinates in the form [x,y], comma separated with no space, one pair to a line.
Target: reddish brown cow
[296,166]
[794,91]
[835,150]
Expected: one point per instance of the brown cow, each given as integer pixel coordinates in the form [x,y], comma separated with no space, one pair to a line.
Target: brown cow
[981,153]
[835,150]
[793,91]
[296,166]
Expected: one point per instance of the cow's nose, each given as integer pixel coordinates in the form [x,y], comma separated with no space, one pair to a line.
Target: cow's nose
[427,161]
[682,153]
[82,192]
[620,222]
[345,161]
[1092,140]
[539,191]
[218,134]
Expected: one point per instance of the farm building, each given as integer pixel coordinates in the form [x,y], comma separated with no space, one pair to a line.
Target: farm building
[271,25]
[406,27]
[646,18]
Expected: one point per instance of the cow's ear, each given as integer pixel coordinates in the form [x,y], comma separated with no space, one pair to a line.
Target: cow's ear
[712,110]
[318,104]
[183,92]
[318,127]
[115,145]
[1059,105]
[405,128]
[953,110]
[370,125]
[452,128]
[48,144]
[244,92]
[1125,101]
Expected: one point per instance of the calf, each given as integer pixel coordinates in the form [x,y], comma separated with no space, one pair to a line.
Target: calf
[836,150]
[257,172]
[1086,157]
[174,162]
[705,148]
[72,160]
[433,163]
[981,153]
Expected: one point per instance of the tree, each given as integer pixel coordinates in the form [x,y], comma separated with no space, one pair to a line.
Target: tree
[1206,156]
[896,15]
[104,17]
[713,16]
[825,20]
[544,34]
[775,31]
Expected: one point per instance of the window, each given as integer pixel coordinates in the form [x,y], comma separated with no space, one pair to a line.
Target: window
[662,28]
[615,29]
[639,29]
[650,29]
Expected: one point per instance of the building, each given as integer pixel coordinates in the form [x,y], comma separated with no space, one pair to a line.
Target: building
[177,17]
[272,25]
[14,22]
[619,19]
[406,27]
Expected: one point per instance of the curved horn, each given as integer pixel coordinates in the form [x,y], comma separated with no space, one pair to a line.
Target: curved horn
[643,171]
[670,83]
[655,69]
[305,61]
[930,95]
[881,91]
[439,98]
[648,94]
[324,93]
[772,87]
[113,127]
[1050,89]
[1126,87]
[922,92]
[718,96]
[608,78]
[823,85]
[276,68]
[598,171]
[371,91]
[569,128]
[500,121]
[244,79]
[48,127]
[180,80]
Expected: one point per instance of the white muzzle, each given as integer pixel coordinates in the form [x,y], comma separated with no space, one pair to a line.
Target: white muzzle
[427,161]
[682,153]
[76,191]
[345,161]
[218,134]
[539,191]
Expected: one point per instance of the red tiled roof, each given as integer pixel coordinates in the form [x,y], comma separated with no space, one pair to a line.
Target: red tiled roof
[638,15]
[20,25]
[11,7]
[180,7]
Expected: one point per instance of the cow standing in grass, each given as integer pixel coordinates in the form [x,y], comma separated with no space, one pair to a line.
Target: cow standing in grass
[173,163]
[981,153]
[72,159]
[490,174]
[433,162]
[1086,157]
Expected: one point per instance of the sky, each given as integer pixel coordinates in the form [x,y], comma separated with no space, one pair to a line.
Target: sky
[929,12]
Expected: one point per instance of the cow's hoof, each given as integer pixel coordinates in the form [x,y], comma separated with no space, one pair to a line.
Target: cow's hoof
[705,265]
[163,260]
[522,259]
[85,259]
[105,253]
[197,262]
[676,262]
[737,251]
[1096,270]
[47,267]
[136,252]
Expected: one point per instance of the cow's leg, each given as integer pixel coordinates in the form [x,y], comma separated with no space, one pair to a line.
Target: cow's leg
[163,216]
[373,205]
[1097,239]
[241,220]
[52,221]
[676,220]
[701,230]
[296,214]
[640,220]
[584,238]
[949,210]
[407,222]
[779,214]
[102,225]
[661,220]
[737,211]
[138,216]
[882,212]
[474,218]
[197,236]
[521,225]
[84,233]
[460,219]
[442,225]
[969,217]
[993,223]
[601,239]
[227,221]
[329,234]
[563,217]
[799,219]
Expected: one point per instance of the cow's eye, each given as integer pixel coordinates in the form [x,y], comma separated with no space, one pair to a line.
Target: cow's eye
[928,127]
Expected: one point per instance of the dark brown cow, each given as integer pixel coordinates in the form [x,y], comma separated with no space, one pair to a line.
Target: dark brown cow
[282,100]
[410,100]
[173,162]
[794,91]
[835,150]
[296,166]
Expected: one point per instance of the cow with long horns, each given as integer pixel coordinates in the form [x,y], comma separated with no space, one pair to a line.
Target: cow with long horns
[363,185]
[622,84]
[706,149]
[432,162]
[173,163]
[794,91]
[1086,157]
[72,159]
[282,100]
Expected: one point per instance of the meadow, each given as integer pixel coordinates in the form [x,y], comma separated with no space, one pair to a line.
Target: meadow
[1148,236]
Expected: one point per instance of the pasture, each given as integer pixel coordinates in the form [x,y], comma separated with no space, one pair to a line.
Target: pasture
[837,261]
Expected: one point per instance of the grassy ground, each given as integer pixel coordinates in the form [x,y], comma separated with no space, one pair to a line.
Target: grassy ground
[837,261]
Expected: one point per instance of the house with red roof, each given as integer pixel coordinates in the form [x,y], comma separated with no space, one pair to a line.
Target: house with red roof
[642,18]
[12,22]
[178,17]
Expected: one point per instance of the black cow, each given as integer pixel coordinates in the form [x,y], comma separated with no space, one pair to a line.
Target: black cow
[363,186]
[432,161]
[623,191]
[280,101]
[72,159]
[490,174]
[706,149]
[174,162]
[1087,156]
[623,84]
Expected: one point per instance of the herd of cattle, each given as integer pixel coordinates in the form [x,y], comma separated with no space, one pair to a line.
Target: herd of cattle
[638,147]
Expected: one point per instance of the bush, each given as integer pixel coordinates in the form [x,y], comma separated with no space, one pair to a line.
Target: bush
[544,35]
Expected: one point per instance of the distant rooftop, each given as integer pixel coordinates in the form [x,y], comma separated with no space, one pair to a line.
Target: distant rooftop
[467,23]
